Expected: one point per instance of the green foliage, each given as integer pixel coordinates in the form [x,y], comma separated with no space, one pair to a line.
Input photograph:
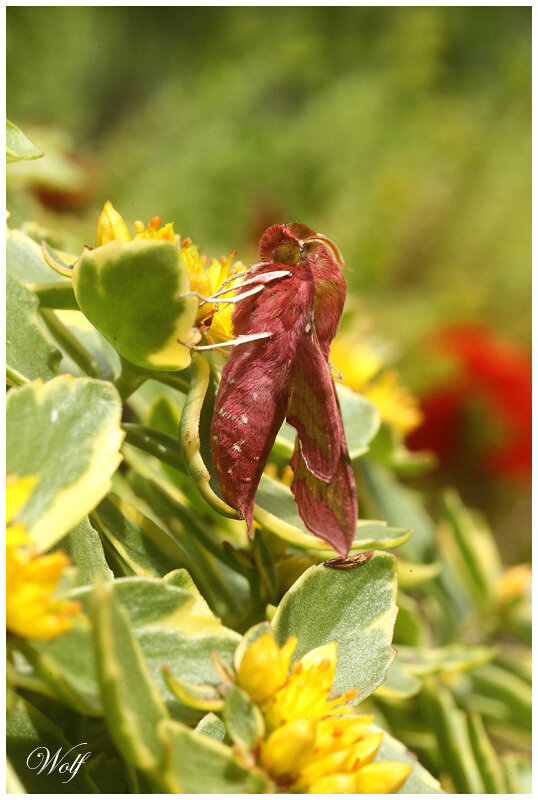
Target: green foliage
[363,600]
[125,288]
[18,146]
[435,636]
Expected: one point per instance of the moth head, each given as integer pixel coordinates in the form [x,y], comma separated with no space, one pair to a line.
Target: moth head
[288,244]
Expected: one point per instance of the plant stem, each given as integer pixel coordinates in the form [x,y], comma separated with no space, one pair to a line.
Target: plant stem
[177,380]
[156,443]
[59,294]
[130,379]
[70,344]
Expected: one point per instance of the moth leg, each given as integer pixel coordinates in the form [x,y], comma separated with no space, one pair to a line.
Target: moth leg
[231,343]
[267,277]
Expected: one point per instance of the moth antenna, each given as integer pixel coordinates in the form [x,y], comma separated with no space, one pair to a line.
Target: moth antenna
[230,343]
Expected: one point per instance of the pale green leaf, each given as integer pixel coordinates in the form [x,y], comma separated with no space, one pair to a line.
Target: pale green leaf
[198,764]
[30,353]
[134,294]
[356,608]
[419,781]
[131,701]
[28,729]
[19,146]
[67,434]
[276,511]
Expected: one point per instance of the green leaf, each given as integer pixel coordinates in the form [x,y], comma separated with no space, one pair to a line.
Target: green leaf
[84,547]
[243,719]
[195,437]
[500,684]
[172,625]
[399,506]
[132,293]
[202,696]
[30,353]
[212,726]
[419,781]
[24,259]
[439,660]
[13,784]
[276,511]
[488,762]
[388,449]
[144,548]
[66,433]
[197,764]
[28,730]
[454,743]
[518,773]
[131,701]
[356,608]
[19,146]
[399,682]
[472,548]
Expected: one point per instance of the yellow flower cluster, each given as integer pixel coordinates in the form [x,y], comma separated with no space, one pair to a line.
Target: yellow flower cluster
[204,279]
[314,744]
[32,609]
[363,371]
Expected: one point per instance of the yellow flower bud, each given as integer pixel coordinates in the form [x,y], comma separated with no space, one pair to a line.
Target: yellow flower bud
[384,777]
[264,667]
[289,747]
[334,784]
[110,226]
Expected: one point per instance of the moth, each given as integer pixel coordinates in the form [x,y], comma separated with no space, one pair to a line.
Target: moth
[284,324]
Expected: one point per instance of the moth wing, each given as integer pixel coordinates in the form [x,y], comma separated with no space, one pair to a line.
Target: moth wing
[329,510]
[313,410]
[250,407]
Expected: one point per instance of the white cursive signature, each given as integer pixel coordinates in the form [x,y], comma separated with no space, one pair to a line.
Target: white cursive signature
[41,758]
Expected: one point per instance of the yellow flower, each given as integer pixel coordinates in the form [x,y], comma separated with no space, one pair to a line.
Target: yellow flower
[363,371]
[264,667]
[110,226]
[315,744]
[514,583]
[216,321]
[32,610]
[396,404]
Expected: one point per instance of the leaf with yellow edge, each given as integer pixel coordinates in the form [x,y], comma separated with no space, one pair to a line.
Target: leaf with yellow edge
[354,607]
[198,764]
[67,434]
[134,294]
[132,704]
[419,781]
[275,510]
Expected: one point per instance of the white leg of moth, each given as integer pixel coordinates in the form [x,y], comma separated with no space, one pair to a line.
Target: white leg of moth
[267,278]
[230,343]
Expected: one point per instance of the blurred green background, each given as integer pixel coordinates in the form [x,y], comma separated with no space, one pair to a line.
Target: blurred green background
[401,133]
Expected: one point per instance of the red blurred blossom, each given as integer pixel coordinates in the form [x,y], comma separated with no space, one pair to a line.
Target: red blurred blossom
[494,375]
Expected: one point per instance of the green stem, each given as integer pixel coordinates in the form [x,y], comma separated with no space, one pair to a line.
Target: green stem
[130,379]
[71,344]
[59,294]
[177,380]
[156,443]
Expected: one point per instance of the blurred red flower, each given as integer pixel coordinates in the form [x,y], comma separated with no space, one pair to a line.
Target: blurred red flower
[493,375]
